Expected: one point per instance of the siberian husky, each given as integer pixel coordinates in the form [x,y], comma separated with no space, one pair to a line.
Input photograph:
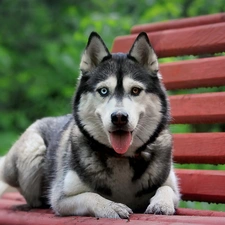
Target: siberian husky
[113,155]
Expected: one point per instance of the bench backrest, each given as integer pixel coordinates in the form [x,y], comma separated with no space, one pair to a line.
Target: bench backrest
[199,36]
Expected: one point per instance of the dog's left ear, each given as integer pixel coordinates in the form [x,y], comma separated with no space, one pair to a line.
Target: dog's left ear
[144,54]
[95,52]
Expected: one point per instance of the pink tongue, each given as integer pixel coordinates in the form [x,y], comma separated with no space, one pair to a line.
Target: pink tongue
[120,141]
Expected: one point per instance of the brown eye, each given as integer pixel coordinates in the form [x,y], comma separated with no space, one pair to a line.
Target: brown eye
[135,91]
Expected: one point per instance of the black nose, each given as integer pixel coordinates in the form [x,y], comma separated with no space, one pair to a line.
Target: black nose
[119,118]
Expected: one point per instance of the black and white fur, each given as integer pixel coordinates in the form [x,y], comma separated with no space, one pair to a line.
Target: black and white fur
[69,163]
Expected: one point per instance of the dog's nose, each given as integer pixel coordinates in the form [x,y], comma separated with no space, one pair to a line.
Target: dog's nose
[119,118]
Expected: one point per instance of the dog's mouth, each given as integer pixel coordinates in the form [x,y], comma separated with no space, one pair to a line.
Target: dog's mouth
[120,141]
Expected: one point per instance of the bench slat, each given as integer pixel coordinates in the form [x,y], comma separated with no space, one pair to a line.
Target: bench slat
[196,212]
[15,196]
[208,148]
[187,41]
[198,108]
[208,72]
[202,185]
[181,23]
[31,218]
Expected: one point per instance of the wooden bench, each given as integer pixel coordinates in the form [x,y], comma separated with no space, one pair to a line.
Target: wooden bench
[199,36]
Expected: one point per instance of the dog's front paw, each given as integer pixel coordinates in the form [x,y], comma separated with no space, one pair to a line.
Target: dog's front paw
[161,204]
[112,210]
[160,208]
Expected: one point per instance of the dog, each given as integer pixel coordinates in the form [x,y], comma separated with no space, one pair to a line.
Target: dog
[113,155]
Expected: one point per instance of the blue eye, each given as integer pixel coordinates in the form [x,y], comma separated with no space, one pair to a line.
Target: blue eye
[103,91]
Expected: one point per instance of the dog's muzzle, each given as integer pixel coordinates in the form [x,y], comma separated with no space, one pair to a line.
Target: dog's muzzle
[120,138]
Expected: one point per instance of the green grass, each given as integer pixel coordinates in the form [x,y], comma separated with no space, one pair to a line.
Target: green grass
[200,166]
[202,205]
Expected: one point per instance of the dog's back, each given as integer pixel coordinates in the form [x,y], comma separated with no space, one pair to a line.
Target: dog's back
[25,164]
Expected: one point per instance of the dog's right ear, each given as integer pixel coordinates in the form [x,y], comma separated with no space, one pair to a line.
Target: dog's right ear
[95,52]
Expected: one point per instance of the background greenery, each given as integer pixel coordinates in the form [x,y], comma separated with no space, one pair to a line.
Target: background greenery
[41,42]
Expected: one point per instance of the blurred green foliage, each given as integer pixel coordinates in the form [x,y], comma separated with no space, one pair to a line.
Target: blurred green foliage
[41,42]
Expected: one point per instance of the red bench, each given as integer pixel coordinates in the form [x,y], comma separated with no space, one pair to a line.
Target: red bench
[199,36]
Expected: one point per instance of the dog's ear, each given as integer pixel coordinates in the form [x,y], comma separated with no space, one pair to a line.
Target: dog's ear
[144,54]
[95,52]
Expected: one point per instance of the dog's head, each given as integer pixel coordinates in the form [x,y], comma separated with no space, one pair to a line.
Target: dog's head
[120,101]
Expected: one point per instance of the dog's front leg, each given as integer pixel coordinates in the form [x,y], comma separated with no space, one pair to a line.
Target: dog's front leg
[91,204]
[166,198]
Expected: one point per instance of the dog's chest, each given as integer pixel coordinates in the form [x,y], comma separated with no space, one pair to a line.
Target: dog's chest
[124,188]
[120,179]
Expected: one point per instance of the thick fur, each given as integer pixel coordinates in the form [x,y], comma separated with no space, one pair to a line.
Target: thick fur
[69,162]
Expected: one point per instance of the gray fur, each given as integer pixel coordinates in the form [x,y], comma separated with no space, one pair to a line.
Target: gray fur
[70,163]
